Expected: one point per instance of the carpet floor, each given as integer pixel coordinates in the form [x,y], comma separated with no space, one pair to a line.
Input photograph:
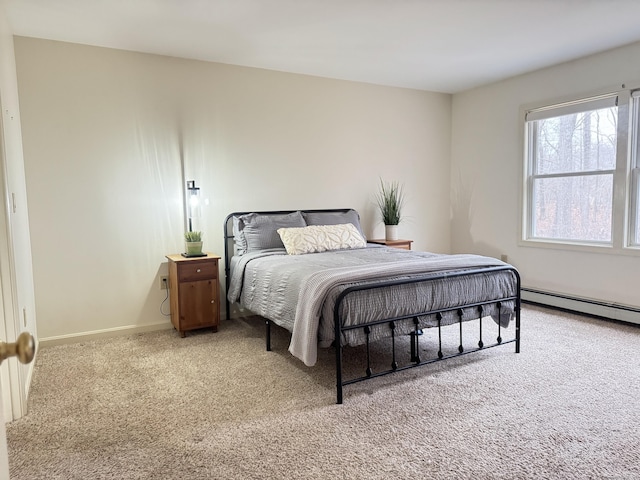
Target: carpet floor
[218,406]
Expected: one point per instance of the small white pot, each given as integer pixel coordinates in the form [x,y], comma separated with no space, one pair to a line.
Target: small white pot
[391,232]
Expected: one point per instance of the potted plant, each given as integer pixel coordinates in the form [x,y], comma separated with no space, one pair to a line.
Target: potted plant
[390,200]
[193,243]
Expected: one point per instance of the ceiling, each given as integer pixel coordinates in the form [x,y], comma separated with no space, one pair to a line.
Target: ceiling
[438,45]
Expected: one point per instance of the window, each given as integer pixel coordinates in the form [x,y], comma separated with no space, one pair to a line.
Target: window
[634,177]
[571,160]
[582,172]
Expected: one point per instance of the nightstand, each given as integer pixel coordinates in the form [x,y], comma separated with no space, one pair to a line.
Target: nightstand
[194,292]
[404,244]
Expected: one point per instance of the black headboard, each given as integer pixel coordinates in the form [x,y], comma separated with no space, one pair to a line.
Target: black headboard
[228,238]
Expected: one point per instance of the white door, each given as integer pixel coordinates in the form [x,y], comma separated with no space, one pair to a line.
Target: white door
[25,350]
[4,455]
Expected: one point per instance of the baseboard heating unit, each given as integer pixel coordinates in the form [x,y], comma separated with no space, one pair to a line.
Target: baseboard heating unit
[612,311]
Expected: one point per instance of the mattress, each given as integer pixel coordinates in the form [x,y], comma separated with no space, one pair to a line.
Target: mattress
[298,292]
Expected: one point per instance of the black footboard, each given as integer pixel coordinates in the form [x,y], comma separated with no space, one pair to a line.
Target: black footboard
[478,309]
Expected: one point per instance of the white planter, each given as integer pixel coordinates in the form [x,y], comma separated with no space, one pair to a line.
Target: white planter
[391,232]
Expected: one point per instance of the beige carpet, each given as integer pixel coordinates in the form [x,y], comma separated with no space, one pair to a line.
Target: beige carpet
[218,406]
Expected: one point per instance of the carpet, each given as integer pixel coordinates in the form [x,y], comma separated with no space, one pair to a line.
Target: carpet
[218,406]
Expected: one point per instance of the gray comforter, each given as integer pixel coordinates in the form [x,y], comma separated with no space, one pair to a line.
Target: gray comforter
[298,292]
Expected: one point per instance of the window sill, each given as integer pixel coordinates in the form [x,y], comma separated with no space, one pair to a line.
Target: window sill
[606,249]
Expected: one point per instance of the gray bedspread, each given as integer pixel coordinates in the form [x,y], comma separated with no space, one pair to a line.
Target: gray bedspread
[298,292]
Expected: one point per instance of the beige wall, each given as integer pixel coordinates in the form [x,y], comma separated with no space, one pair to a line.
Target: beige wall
[487,159]
[104,132]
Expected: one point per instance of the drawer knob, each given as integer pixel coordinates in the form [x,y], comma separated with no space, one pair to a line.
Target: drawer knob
[198,271]
[213,301]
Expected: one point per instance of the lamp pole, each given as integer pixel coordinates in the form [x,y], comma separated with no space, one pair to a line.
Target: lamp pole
[193,202]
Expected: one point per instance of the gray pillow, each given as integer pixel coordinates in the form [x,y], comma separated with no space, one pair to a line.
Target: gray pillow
[238,236]
[261,230]
[334,218]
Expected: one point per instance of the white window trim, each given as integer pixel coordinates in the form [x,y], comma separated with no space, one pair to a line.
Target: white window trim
[621,217]
[633,184]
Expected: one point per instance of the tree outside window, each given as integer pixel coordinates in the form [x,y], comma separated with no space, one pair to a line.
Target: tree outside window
[571,165]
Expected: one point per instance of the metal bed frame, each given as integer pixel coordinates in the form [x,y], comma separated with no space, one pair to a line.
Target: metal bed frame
[414,354]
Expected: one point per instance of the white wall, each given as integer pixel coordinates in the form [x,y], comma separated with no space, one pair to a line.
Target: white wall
[486,173]
[104,131]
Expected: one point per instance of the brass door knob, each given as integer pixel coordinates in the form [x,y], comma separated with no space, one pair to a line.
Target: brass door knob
[24,348]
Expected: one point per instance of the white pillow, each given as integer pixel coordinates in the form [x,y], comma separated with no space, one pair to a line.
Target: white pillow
[320,238]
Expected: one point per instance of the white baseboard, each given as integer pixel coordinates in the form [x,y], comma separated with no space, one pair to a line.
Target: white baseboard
[105,333]
[623,313]
[612,311]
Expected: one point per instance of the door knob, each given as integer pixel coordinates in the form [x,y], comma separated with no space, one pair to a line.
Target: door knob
[24,348]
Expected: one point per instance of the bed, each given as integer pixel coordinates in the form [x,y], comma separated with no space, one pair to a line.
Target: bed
[313,273]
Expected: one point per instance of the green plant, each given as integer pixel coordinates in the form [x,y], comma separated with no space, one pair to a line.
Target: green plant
[193,236]
[390,200]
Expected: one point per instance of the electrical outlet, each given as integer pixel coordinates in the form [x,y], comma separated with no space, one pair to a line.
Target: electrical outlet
[164,282]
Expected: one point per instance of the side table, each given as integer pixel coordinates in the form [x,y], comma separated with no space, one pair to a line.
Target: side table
[404,244]
[194,292]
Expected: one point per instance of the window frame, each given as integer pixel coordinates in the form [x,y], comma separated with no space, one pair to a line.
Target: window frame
[626,183]
[633,186]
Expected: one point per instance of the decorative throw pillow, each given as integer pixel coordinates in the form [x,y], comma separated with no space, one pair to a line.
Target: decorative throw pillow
[321,238]
[260,230]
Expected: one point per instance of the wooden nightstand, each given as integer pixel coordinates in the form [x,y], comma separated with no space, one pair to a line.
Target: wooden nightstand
[404,244]
[194,292]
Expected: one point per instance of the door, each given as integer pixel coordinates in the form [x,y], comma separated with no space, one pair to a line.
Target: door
[25,350]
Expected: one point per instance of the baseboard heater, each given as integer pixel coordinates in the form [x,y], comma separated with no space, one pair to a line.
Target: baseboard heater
[611,311]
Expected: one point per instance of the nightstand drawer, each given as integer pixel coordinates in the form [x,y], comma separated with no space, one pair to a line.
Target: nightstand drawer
[194,271]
